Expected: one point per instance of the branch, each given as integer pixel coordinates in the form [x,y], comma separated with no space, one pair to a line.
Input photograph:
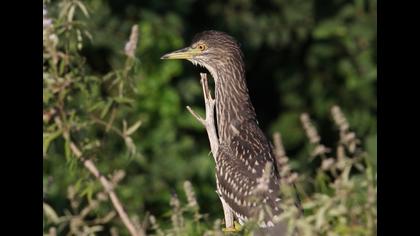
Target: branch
[197,116]
[209,121]
[109,190]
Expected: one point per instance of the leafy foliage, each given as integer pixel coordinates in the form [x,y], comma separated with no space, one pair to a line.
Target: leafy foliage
[125,110]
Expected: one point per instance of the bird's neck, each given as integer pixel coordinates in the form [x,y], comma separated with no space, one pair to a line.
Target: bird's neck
[233,104]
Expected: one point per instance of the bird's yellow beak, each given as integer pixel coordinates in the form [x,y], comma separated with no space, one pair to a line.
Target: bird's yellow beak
[185,53]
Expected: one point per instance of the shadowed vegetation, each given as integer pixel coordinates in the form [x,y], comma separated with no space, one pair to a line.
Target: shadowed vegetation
[109,99]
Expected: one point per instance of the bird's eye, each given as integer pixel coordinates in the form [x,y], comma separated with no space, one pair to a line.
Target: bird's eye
[202,47]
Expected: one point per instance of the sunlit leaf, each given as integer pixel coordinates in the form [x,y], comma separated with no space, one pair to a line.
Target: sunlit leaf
[133,128]
[50,213]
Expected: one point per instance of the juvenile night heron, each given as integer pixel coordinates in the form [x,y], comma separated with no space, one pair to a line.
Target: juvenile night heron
[243,150]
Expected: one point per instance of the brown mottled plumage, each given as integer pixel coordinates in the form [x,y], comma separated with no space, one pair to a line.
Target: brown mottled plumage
[243,150]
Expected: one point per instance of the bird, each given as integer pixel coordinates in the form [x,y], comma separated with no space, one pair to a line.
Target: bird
[244,150]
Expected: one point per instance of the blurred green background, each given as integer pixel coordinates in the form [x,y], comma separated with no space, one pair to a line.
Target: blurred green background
[300,55]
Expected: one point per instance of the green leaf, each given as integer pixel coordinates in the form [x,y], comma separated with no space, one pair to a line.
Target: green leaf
[67,150]
[124,100]
[106,108]
[83,8]
[70,14]
[48,138]
[371,147]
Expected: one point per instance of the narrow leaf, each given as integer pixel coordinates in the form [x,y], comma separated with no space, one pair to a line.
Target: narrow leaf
[50,213]
[133,128]
[83,8]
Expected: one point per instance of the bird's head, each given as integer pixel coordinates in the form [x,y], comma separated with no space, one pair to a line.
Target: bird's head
[210,49]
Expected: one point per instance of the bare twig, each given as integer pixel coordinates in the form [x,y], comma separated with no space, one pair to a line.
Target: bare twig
[197,116]
[109,190]
[208,122]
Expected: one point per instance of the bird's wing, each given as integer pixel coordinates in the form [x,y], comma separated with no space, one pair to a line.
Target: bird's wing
[240,164]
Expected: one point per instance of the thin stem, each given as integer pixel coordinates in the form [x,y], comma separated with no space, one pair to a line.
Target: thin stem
[197,116]
[208,122]
[109,190]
